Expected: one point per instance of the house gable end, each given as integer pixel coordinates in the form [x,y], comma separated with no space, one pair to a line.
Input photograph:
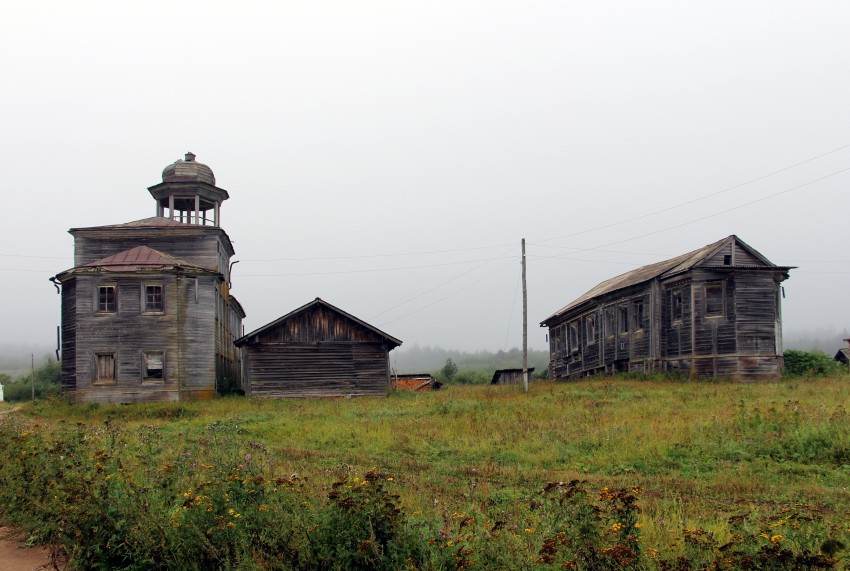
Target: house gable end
[735,252]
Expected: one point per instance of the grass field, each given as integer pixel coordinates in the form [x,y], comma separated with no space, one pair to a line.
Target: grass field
[696,456]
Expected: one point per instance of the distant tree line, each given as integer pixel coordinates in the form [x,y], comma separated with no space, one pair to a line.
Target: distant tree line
[431,359]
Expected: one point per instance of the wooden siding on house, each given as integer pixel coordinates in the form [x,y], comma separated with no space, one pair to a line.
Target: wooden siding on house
[713,312]
[68,330]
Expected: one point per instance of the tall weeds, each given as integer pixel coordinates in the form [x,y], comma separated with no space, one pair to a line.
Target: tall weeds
[596,475]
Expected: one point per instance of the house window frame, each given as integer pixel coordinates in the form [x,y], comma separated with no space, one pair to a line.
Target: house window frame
[721,286]
[144,301]
[106,310]
[590,329]
[97,380]
[574,337]
[638,314]
[677,306]
[623,319]
[610,324]
[146,378]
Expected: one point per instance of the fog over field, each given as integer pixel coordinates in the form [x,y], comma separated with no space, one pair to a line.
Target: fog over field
[389,157]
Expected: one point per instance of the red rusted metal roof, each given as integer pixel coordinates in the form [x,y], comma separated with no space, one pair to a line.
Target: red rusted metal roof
[137,258]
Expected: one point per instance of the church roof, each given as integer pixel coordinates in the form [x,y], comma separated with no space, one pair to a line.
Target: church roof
[188,170]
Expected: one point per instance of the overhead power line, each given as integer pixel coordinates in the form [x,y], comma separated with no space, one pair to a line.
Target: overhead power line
[360,257]
[454,293]
[429,290]
[698,199]
[700,219]
[372,270]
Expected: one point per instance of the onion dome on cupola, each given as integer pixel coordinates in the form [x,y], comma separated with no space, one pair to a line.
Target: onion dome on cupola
[188,193]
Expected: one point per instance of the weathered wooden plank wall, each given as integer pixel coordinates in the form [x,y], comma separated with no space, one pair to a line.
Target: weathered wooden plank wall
[313,370]
[69,334]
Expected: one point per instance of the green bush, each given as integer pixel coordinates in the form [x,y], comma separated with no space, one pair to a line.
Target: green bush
[810,363]
[47,383]
[471,378]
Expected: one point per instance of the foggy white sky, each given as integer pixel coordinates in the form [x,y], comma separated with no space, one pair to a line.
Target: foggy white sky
[389,156]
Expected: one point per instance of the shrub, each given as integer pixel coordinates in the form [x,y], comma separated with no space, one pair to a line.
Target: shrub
[810,363]
[46,379]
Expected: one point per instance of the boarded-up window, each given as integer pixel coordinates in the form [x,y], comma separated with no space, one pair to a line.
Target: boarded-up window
[106,299]
[153,298]
[624,318]
[676,305]
[153,364]
[105,363]
[590,329]
[714,300]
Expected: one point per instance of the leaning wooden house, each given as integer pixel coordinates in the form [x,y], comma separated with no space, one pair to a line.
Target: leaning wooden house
[147,313]
[317,350]
[713,312]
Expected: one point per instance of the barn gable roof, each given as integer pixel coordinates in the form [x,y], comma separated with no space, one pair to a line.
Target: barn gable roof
[701,257]
[391,341]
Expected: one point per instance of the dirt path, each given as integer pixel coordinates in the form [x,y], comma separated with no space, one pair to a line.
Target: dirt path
[7,411]
[16,556]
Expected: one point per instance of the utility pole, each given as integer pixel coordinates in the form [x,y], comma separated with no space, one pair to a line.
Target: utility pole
[32,378]
[524,324]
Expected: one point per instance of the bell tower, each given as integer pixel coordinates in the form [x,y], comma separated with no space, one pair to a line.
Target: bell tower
[188,193]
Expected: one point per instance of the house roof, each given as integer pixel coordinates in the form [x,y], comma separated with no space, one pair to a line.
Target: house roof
[843,355]
[669,268]
[136,259]
[317,302]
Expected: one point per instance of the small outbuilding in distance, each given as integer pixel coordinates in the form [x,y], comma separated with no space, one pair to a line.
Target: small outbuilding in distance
[843,355]
[317,350]
[509,376]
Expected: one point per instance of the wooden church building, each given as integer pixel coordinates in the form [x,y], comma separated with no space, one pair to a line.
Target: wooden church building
[317,350]
[713,312]
[147,313]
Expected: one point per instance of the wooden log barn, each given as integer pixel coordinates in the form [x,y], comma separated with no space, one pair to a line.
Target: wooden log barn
[713,312]
[147,313]
[317,350]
